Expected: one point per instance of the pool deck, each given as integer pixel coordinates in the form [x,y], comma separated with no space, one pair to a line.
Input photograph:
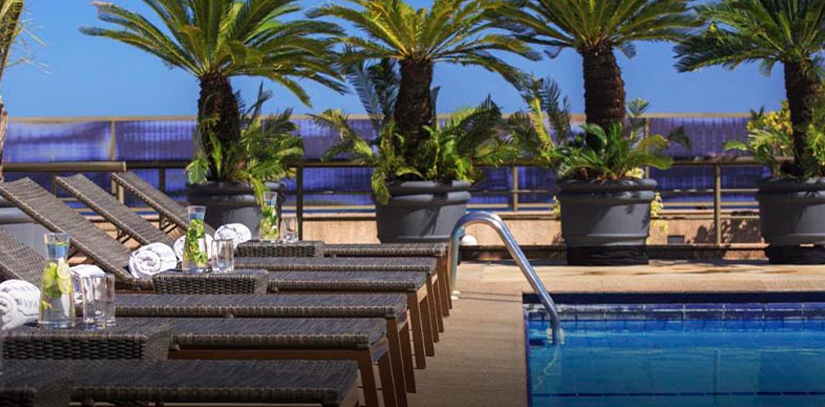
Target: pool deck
[480,360]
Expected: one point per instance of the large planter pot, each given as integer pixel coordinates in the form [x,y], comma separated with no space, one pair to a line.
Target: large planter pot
[792,213]
[231,202]
[422,211]
[22,227]
[606,222]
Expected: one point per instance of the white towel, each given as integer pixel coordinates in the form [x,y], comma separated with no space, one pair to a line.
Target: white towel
[237,232]
[80,271]
[18,303]
[152,259]
[179,246]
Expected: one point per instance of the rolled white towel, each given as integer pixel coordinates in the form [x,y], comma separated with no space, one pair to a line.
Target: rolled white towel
[80,271]
[179,246]
[237,232]
[18,303]
[152,259]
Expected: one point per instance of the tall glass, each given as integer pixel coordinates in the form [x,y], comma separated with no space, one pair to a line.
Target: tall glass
[223,255]
[269,217]
[290,232]
[195,258]
[98,300]
[57,309]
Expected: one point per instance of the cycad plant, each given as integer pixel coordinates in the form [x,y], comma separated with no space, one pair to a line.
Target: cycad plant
[594,29]
[215,40]
[450,31]
[791,32]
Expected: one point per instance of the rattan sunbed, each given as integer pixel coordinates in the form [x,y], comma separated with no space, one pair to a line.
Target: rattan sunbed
[18,261]
[130,224]
[34,389]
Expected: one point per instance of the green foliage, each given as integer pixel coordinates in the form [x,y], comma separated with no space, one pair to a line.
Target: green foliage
[267,151]
[595,153]
[193,252]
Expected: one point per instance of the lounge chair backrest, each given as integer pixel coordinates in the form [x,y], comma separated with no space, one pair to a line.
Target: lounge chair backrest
[53,214]
[112,210]
[18,261]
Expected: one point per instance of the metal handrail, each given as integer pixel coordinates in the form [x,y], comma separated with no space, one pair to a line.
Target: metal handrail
[495,222]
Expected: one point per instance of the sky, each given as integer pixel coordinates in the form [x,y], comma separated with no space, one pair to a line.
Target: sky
[80,75]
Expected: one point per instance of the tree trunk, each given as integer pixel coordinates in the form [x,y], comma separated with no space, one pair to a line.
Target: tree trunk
[217,114]
[414,107]
[4,125]
[604,94]
[802,89]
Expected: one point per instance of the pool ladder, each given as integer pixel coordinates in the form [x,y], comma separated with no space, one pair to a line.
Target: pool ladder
[495,222]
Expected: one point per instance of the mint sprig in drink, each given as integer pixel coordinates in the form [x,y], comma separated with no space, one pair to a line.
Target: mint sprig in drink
[195,257]
[270,222]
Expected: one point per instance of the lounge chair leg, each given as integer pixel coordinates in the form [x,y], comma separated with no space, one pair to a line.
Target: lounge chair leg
[368,381]
[439,306]
[432,309]
[395,355]
[392,397]
[406,353]
[443,276]
[417,329]
[427,324]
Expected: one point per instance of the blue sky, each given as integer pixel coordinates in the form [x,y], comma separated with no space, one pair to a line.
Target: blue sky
[94,77]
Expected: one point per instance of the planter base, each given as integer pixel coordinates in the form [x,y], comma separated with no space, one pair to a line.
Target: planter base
[607,256]
[795,254]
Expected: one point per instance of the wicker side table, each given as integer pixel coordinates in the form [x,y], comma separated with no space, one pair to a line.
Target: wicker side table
[34,389]
[258,248]
[248,281]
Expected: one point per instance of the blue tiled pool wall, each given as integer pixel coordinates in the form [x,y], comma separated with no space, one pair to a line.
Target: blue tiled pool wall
[172,140]
[606,313]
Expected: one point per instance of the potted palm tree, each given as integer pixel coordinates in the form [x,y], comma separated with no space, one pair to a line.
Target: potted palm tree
[790,32]
[215,40]
[450,31]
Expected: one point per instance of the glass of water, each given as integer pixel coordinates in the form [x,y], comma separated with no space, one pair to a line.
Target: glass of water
[290,229]
[98,294]
[223,255]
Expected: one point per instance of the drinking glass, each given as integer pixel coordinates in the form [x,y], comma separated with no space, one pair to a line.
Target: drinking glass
[269,217]
[56,290]
[290,229]
[223,255]
[195,258]
[98,294]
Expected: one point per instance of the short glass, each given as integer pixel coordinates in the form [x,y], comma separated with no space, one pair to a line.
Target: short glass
[195,258]
[223,255]
[57,309]
[269,217]
[290,229]
[98,293]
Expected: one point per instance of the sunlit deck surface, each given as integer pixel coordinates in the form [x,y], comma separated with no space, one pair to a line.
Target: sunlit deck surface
[481,356]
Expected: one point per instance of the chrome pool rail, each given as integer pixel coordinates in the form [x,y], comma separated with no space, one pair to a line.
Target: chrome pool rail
[495,222]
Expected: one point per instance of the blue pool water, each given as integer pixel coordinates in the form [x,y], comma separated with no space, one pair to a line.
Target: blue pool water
[743,355]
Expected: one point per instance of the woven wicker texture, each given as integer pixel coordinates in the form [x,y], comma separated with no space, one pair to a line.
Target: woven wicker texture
[237,282]
[18,261]
[270,333]
[305,248]
[49,211]
[220,381]
[387,250]
[112,210]
[350,305]
[419,264]
[34,389]
[382,281]
[144,340]
[156,199]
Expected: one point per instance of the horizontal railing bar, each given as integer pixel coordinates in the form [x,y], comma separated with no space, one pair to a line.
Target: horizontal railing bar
[66,166]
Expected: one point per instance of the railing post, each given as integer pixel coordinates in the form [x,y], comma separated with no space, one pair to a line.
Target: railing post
[717,203]
[515,189]
[299,200]
[162,179]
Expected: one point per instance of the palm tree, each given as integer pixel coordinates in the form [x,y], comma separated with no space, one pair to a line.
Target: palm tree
[451,31]
[217,39]
[10,27]
[791,32]
[594,29]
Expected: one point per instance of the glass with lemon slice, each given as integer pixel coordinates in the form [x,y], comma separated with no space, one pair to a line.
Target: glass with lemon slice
[57,309]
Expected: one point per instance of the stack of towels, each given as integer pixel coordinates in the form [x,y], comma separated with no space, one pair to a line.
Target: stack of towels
[18,303]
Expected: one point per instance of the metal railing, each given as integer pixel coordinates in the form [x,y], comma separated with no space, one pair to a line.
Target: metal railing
[717,163]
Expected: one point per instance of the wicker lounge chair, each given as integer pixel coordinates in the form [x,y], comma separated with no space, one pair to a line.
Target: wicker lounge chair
[34,389]
[130,224]
[18,261]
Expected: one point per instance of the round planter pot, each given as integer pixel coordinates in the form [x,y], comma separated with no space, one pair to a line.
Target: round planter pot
[22,227]
[422,211]
[606,222]
[792,213]
[231,202]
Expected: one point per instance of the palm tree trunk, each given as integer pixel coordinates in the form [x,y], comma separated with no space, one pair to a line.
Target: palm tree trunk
[801,89]
[413,106]
[217,114]
[604,94]
[4,125]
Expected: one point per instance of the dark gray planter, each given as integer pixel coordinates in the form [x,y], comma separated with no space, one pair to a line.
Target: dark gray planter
[603,217]
[231,202]
[422,211]
[792,211]
[21,226]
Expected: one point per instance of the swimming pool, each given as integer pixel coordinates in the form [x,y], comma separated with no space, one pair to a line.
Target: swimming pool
[679,355]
